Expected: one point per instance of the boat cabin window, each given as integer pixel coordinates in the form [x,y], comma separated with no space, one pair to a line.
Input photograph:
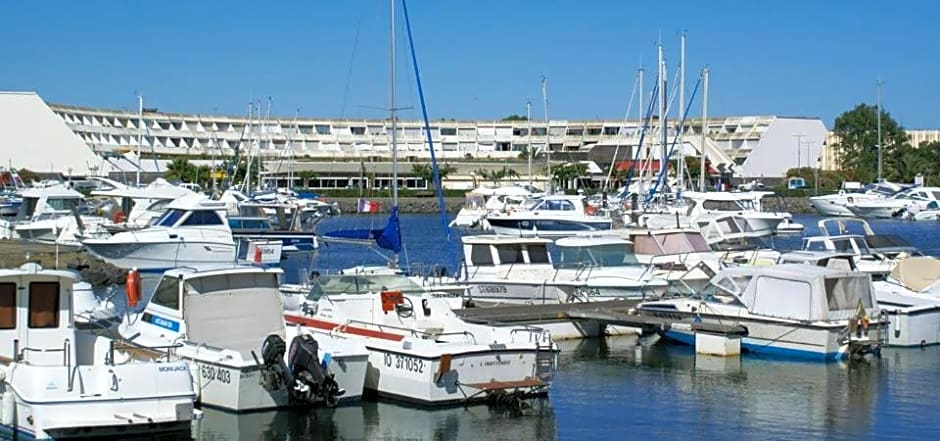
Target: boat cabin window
[538,253]
[7,306]
[159,205]
[167,293]
[249,223]
[29,205]
[44,305]
[480,255]
[596,255]
[229,282]
[202,217]
[509,254]
[169,218]
[63,204]
[359,284]
[722,205]
[845,293]
[556,205]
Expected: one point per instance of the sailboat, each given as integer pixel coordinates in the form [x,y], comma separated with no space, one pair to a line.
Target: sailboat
[419,351]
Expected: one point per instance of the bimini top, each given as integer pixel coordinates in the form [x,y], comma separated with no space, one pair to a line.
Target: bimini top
[158,189]
[52,191]
[799,292]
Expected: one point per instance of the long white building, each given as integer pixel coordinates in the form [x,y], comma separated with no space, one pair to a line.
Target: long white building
[751,146]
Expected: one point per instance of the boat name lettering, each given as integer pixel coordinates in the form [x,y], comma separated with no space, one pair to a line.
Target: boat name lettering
[404,362]
[215,373]
[174,368]
[496,363]
[493,289]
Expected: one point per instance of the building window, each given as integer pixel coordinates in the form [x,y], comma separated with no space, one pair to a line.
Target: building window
[7,306]
[44,305]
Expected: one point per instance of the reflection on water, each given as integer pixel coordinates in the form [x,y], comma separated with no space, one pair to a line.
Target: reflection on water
[665,391]
[380,421]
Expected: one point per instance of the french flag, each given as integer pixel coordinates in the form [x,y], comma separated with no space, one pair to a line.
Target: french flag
[367,206]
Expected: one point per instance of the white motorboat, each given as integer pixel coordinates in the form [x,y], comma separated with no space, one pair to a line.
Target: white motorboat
[192,232]
[549,216]
[931,212]
[909,298]
[835,204]
[510,269]
[681,256]
[790,310]
[912,200]
[875,254]
[228,325]
[60,380]
[713,213]
[485,200]
[420,351]
[48,214]
[137,207]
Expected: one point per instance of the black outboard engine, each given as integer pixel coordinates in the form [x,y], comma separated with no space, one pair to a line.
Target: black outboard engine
[307,380]
[312,382]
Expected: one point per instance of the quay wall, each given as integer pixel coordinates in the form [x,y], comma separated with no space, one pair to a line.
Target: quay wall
[795,205]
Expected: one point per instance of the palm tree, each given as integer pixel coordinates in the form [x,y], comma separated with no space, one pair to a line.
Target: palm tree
[179,170]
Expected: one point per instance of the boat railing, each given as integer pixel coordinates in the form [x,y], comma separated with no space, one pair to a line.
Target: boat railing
[534,334]
[382,327]
[113,345]
[66,350]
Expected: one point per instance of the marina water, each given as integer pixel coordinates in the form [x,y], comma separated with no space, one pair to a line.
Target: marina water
[622,388]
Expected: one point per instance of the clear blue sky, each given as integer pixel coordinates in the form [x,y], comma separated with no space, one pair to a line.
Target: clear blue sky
[480,59]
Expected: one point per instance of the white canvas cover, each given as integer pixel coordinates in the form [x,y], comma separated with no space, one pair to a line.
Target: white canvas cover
[917,273]
[233,311]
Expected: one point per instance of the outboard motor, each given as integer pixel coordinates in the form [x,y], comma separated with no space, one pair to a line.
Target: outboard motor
[312,382]
[308,381]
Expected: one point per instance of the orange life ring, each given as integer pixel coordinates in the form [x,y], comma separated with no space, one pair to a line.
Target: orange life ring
[118,217]
[590,209]
[132,288]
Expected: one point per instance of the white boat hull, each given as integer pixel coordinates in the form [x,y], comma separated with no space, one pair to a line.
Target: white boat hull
[534,293]
[104,400]
[159,256]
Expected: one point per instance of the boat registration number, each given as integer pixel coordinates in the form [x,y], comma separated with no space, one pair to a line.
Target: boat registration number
[492,289]
[404,363]
[215,373]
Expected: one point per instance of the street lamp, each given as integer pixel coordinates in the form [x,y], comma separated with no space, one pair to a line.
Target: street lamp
[799,142]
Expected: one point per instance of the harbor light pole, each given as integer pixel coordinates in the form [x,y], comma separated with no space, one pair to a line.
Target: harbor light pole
[799,144]
[548,145]
[528,118]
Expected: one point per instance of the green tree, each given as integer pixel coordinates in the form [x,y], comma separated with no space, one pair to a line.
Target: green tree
[305,177]
[858,145]
[564,173]
[515,117]
[180,170]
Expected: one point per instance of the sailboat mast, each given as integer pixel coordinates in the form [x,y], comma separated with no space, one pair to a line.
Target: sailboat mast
[701,179]
[140,136]
[548,144]
[528,118]
[392,109]
[662,111]
[878,115]
[680,169]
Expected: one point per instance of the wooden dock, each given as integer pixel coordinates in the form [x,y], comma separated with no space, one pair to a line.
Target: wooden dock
[612,313]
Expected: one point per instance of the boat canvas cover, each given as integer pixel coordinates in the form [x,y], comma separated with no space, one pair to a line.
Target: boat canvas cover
[669,243]
[233,311]
[918,273]
[807,293]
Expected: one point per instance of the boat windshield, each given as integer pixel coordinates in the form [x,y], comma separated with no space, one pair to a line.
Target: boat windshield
[608,255]
[169,218]
[670,243]
[362,284]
